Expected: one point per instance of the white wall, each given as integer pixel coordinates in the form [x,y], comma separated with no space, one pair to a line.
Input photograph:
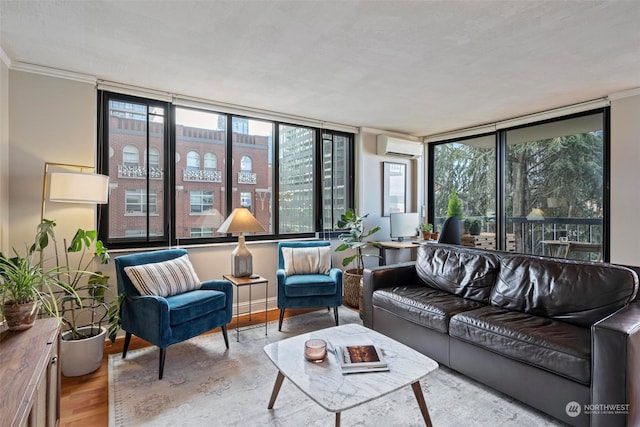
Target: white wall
[4,155]
[625,177]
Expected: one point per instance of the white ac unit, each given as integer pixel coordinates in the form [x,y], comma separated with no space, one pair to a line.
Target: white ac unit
[392,146]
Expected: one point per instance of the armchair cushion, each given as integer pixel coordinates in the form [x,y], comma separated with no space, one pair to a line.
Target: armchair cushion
[165,278]
[190,305]
[306,260]
[309,285]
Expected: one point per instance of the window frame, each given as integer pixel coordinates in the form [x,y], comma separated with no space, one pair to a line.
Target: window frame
[168,198]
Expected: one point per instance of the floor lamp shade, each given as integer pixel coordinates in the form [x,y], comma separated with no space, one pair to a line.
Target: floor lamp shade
[78,187]
[241,221]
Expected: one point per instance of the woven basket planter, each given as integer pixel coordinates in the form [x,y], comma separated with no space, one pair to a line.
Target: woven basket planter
[351,282]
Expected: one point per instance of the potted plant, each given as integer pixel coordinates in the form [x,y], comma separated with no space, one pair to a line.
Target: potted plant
[426,229]
[26,287]
[95,313]
[354,239]
[473,226]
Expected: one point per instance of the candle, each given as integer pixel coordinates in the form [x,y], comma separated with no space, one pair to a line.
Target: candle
[315,350]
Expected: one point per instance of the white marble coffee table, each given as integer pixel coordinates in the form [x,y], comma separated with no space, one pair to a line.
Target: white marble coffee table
[325,384]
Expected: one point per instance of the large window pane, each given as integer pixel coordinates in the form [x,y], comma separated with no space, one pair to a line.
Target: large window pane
[296,165]
[251,184]
[336,188]
[554,186]
[467,167]
[200,186]
[136,137]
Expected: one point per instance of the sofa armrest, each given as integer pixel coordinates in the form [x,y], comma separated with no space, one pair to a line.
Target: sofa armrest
[382,277]
[616,366]
[222,286]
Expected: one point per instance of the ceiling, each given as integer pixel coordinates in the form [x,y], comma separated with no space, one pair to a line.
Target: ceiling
[415,67]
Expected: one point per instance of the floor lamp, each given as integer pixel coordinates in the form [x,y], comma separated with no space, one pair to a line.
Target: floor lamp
[73,186]
[241,221]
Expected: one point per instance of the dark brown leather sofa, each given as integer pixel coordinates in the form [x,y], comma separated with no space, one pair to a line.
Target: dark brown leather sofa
[546,331]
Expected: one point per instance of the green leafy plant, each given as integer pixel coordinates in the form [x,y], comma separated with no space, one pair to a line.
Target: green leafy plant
[23,279]
[355,238]
[454,208]
[92,307]
[425,226]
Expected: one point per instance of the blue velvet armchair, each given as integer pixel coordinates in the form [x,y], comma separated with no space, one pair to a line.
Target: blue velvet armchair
[307,290]
[163,321]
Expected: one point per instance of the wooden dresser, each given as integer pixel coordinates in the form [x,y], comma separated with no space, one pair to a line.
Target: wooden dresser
[30,376]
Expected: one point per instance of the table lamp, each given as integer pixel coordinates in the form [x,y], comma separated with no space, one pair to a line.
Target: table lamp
[241,221]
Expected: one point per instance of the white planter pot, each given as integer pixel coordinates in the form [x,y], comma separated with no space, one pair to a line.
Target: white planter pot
[81,357]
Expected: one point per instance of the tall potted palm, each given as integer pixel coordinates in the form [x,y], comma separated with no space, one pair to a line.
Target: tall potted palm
[354,239]
[88,318]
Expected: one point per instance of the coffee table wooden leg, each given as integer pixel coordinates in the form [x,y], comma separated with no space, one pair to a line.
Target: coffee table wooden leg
[417,391]
[337,419]
[276,389]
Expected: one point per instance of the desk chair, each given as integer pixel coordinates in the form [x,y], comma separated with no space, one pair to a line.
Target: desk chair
[166,320]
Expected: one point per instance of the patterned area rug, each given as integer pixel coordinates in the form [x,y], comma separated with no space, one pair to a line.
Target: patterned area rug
[207,385]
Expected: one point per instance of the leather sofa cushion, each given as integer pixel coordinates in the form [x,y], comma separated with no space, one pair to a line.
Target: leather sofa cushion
[464,272]
[558,347]
[422,305]
[580,293]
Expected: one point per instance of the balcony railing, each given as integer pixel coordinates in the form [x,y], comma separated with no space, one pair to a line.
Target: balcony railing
[530,234]
[139,172]
[201,175]
[246,178]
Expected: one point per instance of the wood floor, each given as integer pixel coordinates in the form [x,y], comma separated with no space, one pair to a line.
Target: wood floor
[85,400]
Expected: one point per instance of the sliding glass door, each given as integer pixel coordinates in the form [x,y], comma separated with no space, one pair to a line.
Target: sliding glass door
[537,189]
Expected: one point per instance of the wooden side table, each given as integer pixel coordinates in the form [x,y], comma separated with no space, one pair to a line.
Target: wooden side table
[239,282]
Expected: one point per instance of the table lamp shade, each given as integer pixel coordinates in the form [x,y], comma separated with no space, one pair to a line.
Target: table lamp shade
[78,187]
[241,221]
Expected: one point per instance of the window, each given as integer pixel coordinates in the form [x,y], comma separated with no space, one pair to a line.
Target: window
[193,161]
[210,162]
[136,202]
[337,176]
[549,188]
[130,156]
[217,162]
[135,214]
[201,202]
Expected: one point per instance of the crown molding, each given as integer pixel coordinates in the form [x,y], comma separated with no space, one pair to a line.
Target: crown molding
[53,72]
[5,58]
[624,94]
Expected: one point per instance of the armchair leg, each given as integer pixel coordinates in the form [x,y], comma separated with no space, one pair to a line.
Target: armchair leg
[163,353]
[127,340]
[281,319]
[224,334]
[335,314]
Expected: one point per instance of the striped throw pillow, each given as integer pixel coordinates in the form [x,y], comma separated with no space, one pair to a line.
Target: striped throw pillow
[164,278]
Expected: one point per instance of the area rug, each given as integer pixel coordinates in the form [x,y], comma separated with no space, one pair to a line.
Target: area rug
[205,384]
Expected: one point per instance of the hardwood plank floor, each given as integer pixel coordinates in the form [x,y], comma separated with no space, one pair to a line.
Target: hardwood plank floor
[84,400]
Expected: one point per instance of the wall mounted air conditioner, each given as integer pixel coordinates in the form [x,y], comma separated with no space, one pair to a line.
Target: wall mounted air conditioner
[392,146]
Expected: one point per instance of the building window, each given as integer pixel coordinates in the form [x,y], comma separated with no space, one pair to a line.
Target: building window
[236,168]
[210,162]
[136,202]
[193,161]
[337,176]
[201,202]
[130,156]
[196,232]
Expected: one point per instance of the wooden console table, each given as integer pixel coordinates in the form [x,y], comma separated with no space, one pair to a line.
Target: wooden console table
[30,376]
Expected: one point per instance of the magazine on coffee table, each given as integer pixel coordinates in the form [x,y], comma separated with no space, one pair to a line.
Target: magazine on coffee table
[359,357]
